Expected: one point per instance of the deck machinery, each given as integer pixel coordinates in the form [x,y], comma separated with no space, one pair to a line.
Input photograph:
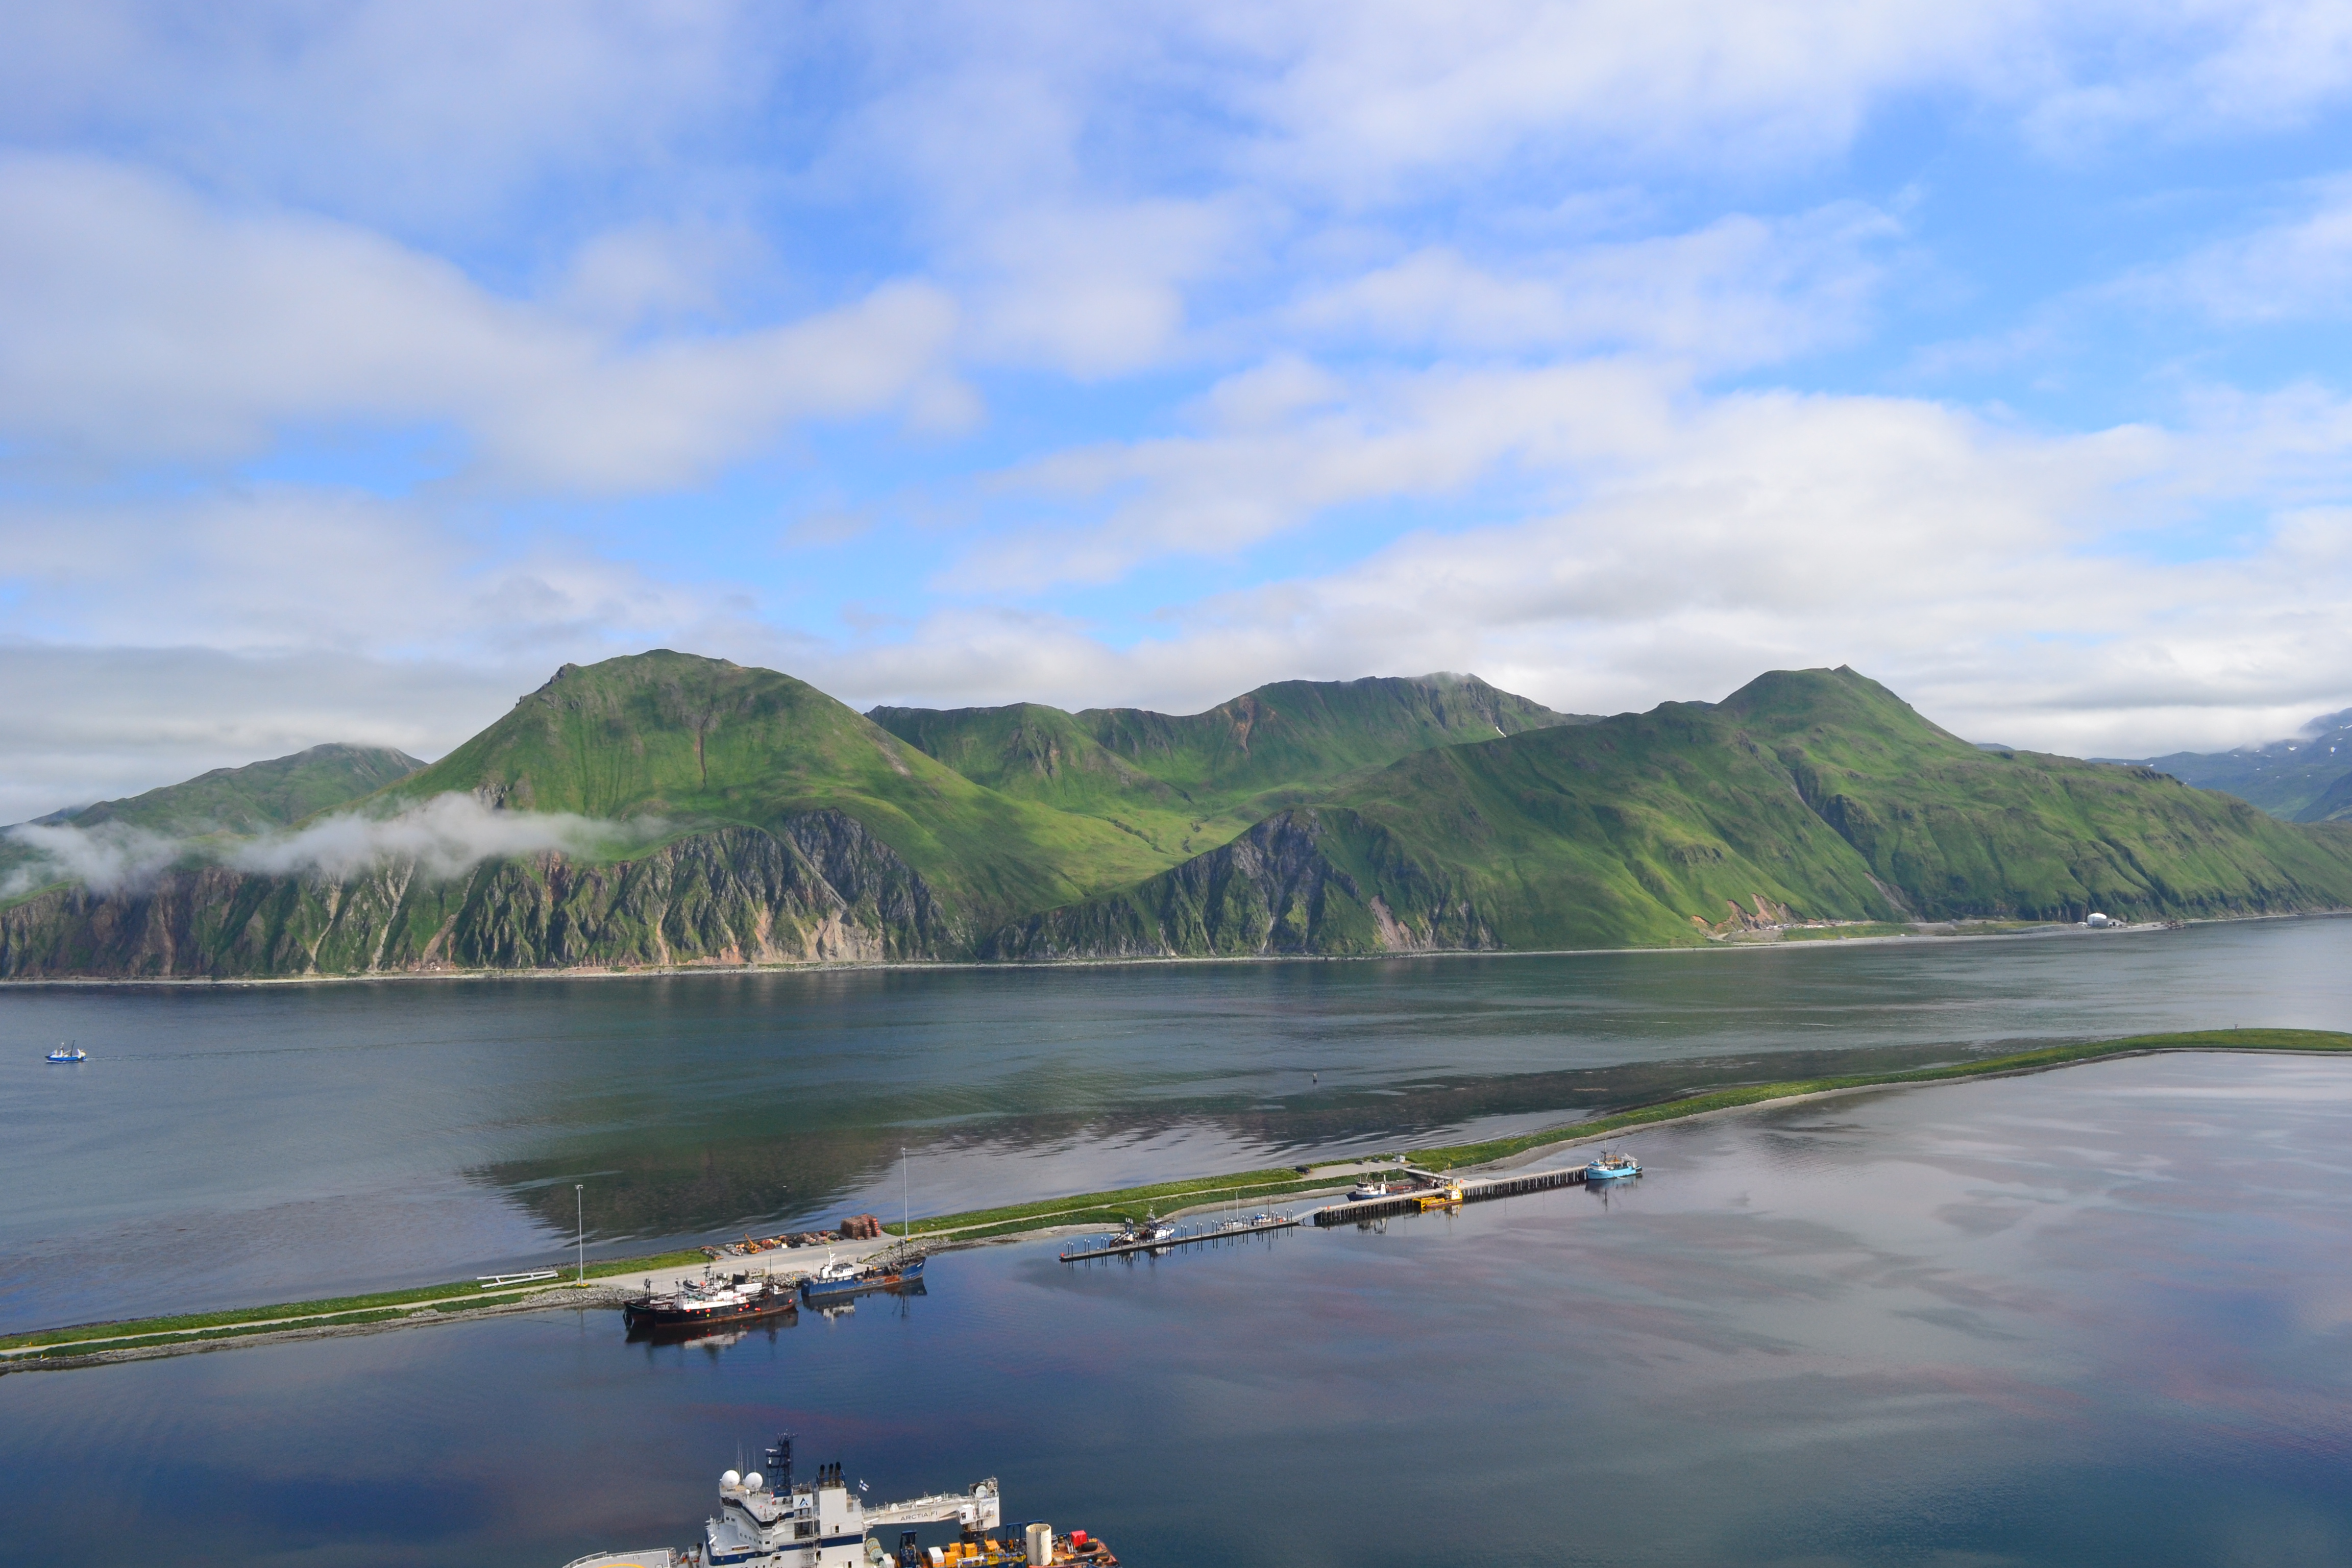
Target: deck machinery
[773,1521]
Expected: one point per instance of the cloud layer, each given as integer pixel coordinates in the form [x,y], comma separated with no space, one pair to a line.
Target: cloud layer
[442,837]
[360,362]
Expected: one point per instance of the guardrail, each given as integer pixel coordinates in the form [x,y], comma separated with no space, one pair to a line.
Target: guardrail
[493,1281]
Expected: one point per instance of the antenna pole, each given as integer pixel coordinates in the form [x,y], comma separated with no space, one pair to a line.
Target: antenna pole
[580,1218]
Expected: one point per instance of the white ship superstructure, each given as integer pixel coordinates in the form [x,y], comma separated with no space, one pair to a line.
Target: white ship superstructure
[771,1521]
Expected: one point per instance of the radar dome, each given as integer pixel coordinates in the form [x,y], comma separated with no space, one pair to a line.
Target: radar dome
[730,1478]
[753,1481]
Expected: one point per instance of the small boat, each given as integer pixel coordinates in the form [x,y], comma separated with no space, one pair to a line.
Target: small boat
[1150,1228]
[69,1054]
[1611,1167]
[838,1281]
[1363,1191]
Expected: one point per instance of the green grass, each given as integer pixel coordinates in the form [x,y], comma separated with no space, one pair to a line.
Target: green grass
[259,796]
[1187,783]
[1808,794]
[374,1306]
[1129,1203]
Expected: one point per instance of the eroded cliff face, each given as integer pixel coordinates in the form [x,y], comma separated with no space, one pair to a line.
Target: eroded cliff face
[1300,883]
[814,888]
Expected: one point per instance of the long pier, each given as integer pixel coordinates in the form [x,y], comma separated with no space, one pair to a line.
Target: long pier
[1438,1194]
[1115,1248]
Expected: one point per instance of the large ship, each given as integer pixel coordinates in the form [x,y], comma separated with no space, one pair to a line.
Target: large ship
[697,1304]
[771,1521]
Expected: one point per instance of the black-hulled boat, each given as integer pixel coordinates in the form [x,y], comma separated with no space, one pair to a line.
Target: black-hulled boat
[698,1304]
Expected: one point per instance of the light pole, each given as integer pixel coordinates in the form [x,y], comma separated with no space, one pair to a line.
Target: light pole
[906,1204]
[580,1220]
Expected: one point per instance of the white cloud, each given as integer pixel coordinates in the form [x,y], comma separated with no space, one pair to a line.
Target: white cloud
[1740,292]
[102,722]
[2019,585]
[138,322]
[442,837]
[428,115]
[287,566]
[113,855]
[1434,434]
[2300,268]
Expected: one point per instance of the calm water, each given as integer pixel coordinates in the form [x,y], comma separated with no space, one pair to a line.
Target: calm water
[237,1145]
[2102,1317]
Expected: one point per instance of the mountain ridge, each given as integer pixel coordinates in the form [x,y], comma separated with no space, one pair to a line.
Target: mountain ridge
[781,827]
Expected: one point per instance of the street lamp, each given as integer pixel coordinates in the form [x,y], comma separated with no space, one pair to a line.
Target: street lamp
[580,1218]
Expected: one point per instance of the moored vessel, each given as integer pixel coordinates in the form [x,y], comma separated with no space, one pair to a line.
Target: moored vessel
[697,1304]
[1611,1167]
[838,1281]
[771,1521]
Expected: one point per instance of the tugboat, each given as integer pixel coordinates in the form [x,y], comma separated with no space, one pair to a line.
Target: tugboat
[1611,1167]
[698,1304]
[69,1054]
[1366,1189]
[768,1522]
[838,1281]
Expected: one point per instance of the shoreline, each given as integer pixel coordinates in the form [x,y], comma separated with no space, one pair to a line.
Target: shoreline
[89,1344]
[1927,931]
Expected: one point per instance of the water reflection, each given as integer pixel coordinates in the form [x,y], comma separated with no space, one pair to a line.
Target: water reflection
[2098,1316]
[230,1146]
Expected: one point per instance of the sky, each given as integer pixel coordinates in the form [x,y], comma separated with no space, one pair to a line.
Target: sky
[361,363]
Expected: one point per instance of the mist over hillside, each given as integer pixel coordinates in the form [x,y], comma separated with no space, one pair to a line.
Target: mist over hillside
[665,809]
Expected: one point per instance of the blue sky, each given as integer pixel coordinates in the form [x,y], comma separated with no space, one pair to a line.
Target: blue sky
[360,364]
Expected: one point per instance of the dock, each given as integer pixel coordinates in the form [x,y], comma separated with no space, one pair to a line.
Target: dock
[1112,1246]
[1434,1192]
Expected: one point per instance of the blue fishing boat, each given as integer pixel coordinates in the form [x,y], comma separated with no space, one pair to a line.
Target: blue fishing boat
[1611,1168]
[69,1054]
[839,1281]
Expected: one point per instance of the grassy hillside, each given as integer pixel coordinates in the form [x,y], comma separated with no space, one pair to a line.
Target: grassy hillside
[257,796]
[795,829]
[1814,794]
[1189,783]
[2334,804]
[700,742]
[235,802]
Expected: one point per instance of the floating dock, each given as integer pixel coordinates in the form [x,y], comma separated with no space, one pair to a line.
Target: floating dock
[1111,1248]
[1437,1192]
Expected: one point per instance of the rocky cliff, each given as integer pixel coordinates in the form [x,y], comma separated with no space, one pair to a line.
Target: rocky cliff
[815,887]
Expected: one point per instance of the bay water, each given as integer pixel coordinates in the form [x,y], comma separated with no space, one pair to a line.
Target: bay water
[237,1145]
[2102,1316]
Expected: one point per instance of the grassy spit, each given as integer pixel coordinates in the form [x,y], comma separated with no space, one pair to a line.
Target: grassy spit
[1103,1208]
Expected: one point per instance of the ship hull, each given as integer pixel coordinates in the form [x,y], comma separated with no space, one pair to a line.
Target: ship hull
[651,1319]
[815,1291]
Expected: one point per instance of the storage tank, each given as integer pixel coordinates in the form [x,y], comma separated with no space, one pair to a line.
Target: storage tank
[1041,1545]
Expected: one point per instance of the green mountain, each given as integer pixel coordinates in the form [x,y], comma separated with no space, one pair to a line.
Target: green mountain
[235,802]
[256,797]
[2284,777]
[1184,784]
[700,742]
[1813,794]
[769,823]
[2334,805]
